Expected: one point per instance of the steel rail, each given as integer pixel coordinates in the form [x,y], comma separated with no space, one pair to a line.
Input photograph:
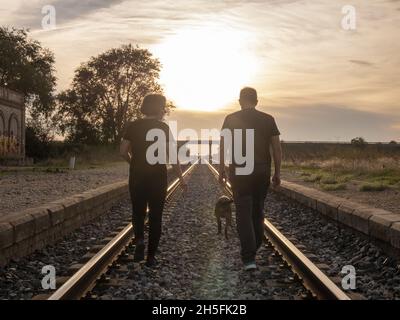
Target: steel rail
[313,278]
[85,278]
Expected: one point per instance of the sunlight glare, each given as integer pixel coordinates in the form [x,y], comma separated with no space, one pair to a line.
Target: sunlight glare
[204,68]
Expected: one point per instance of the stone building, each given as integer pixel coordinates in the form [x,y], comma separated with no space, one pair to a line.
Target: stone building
[12,125]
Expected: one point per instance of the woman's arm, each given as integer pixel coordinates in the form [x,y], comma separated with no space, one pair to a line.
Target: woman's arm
[125,150]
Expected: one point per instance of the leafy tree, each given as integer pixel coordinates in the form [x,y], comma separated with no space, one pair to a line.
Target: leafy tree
[38,137]
[359,142]
[393,142]
[106,93]
[27,67]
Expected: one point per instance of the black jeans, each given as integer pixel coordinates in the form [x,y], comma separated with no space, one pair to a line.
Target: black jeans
[249,194]
[148,190]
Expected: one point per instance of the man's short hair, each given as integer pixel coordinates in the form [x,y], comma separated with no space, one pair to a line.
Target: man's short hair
[249,94]
[153,104]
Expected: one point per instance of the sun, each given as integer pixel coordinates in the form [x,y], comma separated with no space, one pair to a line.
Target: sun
[204,68]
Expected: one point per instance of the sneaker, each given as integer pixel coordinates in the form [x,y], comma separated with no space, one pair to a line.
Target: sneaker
[139,253]
[250,266]
[151,261]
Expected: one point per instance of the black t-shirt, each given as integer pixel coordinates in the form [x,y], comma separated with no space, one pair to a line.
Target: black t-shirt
[136,132]
[264,127]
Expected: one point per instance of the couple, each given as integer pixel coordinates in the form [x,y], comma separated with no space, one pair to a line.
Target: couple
[148,183]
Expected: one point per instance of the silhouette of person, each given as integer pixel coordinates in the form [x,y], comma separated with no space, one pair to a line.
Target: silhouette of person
[249,191]
[147,182]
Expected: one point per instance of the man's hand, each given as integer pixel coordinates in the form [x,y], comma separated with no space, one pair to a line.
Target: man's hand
[276,180]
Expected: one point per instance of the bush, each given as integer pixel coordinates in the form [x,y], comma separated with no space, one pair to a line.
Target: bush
[334,187]
[367,187]
[328,180]
[313,178]
[35,147]
[359,142]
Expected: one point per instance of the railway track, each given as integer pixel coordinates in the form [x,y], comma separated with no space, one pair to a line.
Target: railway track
[86,277]
[93,272]
[313,278]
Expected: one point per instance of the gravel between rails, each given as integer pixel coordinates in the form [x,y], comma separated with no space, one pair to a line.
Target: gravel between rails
[378,275]
[22,279]
[196,263]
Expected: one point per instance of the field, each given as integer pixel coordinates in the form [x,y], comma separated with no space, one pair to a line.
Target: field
[332,166]
[368,174]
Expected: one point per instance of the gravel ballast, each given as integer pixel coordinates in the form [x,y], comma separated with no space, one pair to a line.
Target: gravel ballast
[196,263]
[377,273]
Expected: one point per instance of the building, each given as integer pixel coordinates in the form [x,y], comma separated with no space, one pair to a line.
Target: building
[12,125]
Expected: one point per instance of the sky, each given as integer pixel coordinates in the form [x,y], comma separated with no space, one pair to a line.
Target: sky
[325,74]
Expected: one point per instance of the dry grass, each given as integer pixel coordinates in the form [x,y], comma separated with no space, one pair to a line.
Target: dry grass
[371,170]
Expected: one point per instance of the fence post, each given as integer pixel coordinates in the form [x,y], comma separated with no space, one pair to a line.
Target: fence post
[72,161]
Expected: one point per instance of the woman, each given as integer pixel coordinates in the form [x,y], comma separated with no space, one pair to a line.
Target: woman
[147,182]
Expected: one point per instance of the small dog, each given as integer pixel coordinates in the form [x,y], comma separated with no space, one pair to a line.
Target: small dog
[223,210]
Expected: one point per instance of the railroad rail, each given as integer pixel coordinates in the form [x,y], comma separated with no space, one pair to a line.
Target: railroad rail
[86,277]
[312,277]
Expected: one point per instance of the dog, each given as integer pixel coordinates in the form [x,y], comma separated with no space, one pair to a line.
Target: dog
[223,209]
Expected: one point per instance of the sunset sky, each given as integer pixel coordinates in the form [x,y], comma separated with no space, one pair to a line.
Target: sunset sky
[319,81]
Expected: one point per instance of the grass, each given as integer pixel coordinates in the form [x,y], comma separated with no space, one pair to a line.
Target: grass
[368,187]
[334,187]
[328,179]
[313,178]
[371,174]
[91,157]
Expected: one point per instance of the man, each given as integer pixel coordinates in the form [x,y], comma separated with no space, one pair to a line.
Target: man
[250,190]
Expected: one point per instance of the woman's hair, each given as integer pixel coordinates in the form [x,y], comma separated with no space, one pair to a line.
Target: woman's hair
[153,104]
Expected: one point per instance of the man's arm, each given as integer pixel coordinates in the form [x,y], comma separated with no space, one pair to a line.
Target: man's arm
[125,150]
[277,155]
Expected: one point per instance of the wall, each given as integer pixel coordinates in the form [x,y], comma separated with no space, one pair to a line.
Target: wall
[12,125]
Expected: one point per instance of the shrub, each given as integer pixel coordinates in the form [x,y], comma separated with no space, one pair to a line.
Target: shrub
[334,187]
[366,187]
[359,142]
[313,178]
[328,180]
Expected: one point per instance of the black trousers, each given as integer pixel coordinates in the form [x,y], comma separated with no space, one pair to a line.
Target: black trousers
[148,191]
[249,193]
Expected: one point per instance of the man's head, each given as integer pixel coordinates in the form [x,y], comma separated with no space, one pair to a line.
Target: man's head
[248,98]
[154,105]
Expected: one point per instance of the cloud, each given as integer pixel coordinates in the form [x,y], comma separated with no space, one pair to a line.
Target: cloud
[331,123]
[30,13]
[362,63]
[308,65]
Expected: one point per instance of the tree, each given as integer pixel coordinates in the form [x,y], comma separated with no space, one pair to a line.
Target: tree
[393,142]
[106,93]
[27,67]
[38,136]
[359,142]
